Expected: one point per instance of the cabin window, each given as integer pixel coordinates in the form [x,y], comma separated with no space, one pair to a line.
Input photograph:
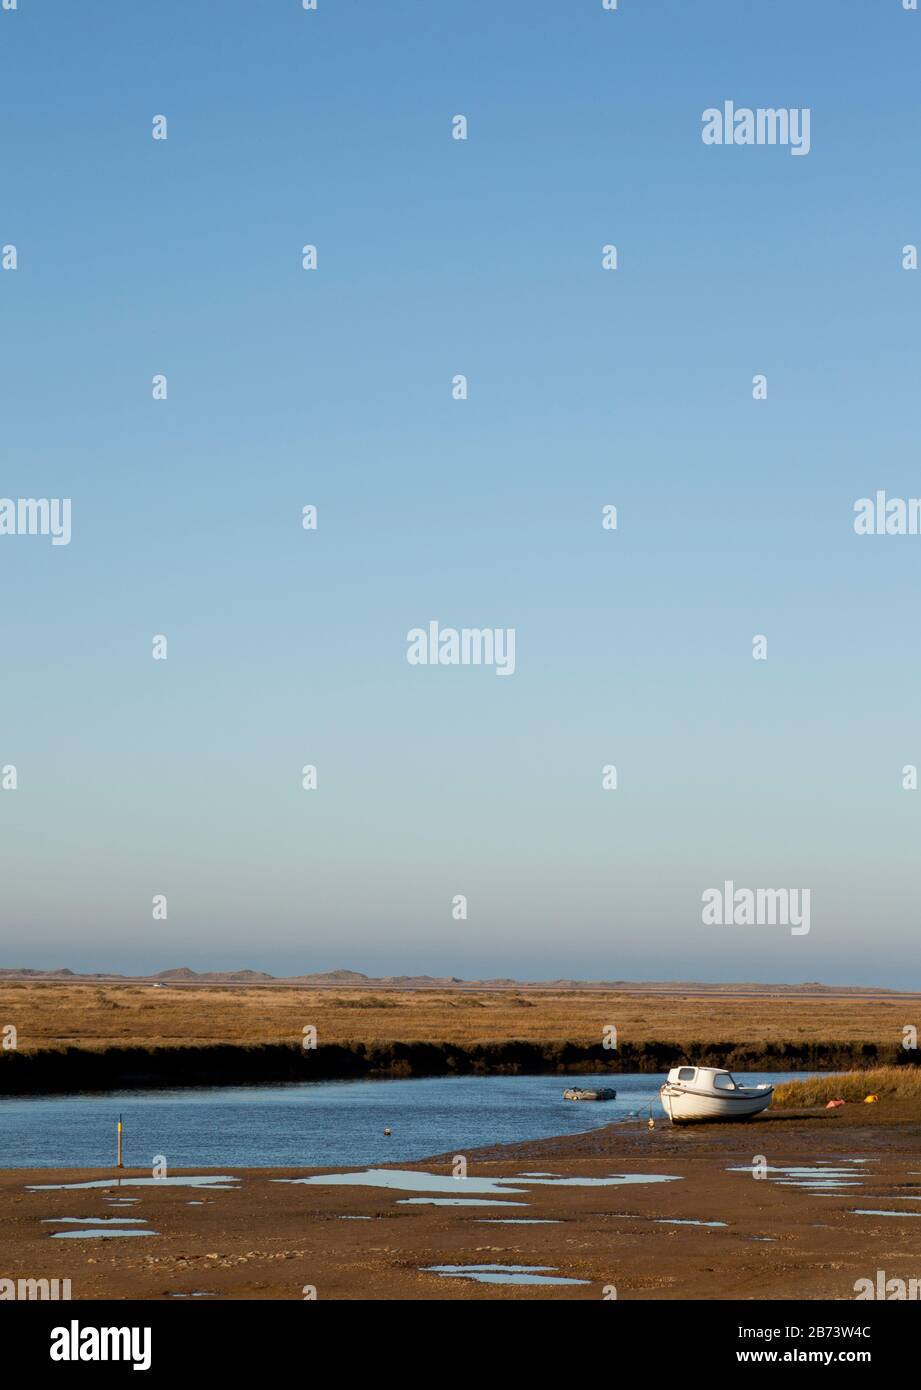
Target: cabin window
[724,1082]
[687,1073]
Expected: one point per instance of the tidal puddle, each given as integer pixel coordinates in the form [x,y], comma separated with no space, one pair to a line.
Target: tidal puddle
[615,1180]
[664,1220]
[218,1183]
[820,1185]
[812,1178]
[404,1180]
[93,1221]
[354,1218]
[196,1293]
[409,1180]
[819,1182]
[503,1274]
[454,1202]
[684,1221]
[517,1221]
[871,1211]
[96,1233]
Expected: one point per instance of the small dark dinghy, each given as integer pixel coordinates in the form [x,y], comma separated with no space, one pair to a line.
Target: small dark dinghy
[577,1093]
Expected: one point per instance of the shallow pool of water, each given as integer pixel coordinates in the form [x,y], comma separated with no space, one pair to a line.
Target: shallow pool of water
[97,1234]
[455,1202]
[418,1180]
[872,1211]
[664,1220]
[816,1177]
[403,1180]
[93,1221]
[684,1221]
[218,1183]
[517,1221]
[503,1274]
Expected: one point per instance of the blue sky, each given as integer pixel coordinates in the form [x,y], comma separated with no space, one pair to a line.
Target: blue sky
[333,387]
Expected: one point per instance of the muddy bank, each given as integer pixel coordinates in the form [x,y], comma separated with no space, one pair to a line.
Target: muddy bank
[685,1217]
[72,1069]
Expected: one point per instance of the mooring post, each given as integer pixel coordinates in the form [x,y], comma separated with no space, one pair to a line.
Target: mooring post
[118,1156]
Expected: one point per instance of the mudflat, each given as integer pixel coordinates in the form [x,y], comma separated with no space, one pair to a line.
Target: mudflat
[793,1233]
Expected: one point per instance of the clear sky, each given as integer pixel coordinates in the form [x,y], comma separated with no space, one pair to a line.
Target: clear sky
[332,387]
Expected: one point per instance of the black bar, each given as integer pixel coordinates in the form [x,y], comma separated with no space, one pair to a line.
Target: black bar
[386,1339]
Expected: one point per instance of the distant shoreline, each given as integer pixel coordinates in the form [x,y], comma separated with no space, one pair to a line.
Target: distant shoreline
[352,979]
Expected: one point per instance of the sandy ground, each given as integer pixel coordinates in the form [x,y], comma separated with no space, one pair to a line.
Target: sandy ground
[266,1239]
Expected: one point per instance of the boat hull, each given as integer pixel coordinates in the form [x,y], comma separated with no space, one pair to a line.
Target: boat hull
[686,1106]
[578,1093]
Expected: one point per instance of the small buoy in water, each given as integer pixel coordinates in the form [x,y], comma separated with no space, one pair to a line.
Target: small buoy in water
[870,1100]
[651,1122]
[386,1131]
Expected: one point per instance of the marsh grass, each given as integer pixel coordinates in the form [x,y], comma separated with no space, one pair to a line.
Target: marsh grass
[761,1028]
[368,1002]
[889,1083]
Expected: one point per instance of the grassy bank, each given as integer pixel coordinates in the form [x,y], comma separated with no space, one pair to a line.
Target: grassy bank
[887,1082]
[134,1015]
[57,1070]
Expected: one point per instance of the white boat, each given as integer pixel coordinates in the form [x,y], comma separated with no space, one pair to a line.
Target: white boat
[709,1093]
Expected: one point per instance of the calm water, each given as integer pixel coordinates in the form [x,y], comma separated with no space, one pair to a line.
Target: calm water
[326,1123]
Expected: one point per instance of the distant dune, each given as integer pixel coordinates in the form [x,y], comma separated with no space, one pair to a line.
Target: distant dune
[345,979]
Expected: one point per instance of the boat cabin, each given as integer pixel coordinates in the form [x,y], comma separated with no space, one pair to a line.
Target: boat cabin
[708,1078]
